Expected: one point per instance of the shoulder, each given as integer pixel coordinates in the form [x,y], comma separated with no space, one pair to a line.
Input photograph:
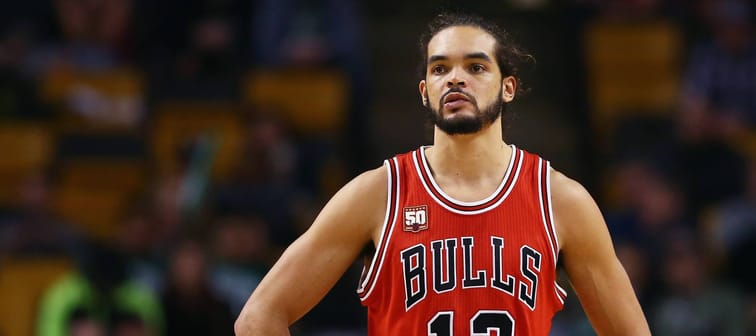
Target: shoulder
[568,193]
[575,211]
[371,184]
[360,206]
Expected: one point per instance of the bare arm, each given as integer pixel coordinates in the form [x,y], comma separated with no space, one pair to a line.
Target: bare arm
[595,272]
[313,263]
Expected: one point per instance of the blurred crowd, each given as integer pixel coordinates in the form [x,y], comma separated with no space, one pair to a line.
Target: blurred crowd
[678,172]
[138,155]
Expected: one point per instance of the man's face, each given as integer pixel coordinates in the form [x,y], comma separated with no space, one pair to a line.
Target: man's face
[463,88]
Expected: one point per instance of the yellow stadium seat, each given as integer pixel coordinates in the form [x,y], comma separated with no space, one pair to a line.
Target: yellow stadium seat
[27,149]
[105,100]
[746,144]
[22,283]
[180,122]
[633,68]
[115,174]
[312,101]
[96,212]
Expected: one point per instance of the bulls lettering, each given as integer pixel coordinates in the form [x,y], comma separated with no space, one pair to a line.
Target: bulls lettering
[530,261]
[497,245]
[445,268]
[469,281]
[413,260]
[445,274]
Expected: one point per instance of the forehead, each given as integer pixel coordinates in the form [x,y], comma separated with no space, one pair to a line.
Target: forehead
[461,40]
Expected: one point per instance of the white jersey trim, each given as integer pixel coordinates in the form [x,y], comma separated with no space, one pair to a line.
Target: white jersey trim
[548,221]
[560,292]
[551,209]
[473,212]
[462,203]
[382,247]
[543,211]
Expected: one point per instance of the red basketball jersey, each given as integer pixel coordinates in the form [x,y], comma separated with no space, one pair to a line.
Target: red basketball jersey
[445,267]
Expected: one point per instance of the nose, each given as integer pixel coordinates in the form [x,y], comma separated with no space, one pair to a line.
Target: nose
[455,80]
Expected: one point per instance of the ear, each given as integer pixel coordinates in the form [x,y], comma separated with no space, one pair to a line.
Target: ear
[423,92]
[508,88]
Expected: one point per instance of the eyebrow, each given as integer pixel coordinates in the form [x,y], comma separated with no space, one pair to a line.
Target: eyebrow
[477,55]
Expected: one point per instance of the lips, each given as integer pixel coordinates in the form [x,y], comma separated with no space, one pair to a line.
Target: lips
[455,99]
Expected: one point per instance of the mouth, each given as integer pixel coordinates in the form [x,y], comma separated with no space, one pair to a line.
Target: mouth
[456,96]
[455,100]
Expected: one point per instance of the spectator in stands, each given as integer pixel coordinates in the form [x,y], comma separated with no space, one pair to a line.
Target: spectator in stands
[207,65]
[243,253]
[81,323]
[131,325]
[93,37]
[319,34]
[18,96]
[694,302]
[717,104]
[34,228]
[191,306]
[719,95]
[306,33]
[653,205]
[84,323]
[733,233]
[166,216]
[98,290]
[138,239]
[266,181]
[95,34]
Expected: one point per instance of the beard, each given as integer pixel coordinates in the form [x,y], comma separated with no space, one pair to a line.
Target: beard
[466,124]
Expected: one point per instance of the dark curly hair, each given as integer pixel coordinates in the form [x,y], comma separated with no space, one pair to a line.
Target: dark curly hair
[508,55]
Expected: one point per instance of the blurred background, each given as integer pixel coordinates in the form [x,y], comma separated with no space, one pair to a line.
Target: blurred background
[156,157]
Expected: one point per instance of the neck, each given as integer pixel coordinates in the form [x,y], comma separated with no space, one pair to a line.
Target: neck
[472,156]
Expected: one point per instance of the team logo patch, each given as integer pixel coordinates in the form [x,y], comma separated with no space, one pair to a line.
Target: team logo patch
[416,218]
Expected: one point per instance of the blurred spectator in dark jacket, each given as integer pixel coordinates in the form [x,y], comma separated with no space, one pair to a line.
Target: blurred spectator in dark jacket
[243,253]
[719,95]
[141,244]
[191,306]
[266,181]
[694,302]
[93,34]
[718,104]
[652,205]
[732,232]
[193,47]
[34,228]
[306,32]
[18,95]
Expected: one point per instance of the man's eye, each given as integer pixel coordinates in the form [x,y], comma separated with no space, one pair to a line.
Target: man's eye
[477,68]
[438,69]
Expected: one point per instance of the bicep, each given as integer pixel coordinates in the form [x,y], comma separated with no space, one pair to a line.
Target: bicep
[305,272]
[589,258]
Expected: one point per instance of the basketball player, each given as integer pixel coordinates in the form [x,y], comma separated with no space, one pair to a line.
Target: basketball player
[467,232]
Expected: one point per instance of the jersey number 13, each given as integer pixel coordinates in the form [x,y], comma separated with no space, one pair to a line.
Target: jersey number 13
[482,324]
